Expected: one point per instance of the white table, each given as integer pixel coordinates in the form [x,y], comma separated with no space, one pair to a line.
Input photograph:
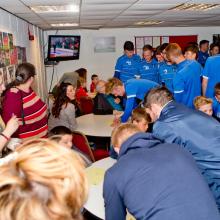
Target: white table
[95,125]
[95,202]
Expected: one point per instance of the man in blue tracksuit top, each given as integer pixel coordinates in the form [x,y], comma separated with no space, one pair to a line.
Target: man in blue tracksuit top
[133,90]
[127,65]
[167,71]
[148,68]
[186,83]
[203,52]
[191,129]
[154,181]
[211,75]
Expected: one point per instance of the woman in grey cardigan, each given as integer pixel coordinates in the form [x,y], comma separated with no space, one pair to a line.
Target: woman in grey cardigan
[63,111]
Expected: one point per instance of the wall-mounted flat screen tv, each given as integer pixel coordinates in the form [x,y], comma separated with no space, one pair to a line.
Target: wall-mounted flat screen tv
[63,47]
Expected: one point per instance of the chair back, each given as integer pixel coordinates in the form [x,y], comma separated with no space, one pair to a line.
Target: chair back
[80,141]
[86,105]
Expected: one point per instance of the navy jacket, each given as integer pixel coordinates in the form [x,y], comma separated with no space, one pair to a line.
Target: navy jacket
[198,133]
[156,181]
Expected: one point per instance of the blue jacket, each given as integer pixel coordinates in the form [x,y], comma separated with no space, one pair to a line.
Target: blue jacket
[156,181]
[198,133]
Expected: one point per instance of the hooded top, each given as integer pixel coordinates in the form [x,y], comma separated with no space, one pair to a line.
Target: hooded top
[156,181]
[196,132]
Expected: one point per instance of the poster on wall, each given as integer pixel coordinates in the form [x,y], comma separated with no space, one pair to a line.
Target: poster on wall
[19,55]
[1,41]
[10,73]
[5,75]
[5,41]
[2,58]
[10,39]
[13,56]
[23,54]
[104,44]
[7,58]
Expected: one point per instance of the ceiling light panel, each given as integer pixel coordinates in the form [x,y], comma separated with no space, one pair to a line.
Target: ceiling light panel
[108,1]
[104,7]
[195,7]
[55,8]
[50,2]
[65,25]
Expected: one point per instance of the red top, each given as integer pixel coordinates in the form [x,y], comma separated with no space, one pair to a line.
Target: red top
[34,111]
[92,87]
[80,92]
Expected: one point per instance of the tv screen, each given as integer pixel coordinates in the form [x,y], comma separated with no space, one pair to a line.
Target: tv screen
[63,47]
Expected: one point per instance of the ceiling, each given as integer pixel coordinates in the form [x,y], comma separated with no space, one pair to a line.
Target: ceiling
[95,14]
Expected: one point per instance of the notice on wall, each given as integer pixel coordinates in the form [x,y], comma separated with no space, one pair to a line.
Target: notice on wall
[156,42]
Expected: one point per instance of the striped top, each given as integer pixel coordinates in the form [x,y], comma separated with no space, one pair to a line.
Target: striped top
[34,113]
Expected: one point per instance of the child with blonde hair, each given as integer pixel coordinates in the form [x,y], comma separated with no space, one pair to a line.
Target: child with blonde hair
[203,104]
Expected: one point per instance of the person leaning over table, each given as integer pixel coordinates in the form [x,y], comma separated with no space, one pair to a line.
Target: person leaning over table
[151,183]
[133,91]
[191,129]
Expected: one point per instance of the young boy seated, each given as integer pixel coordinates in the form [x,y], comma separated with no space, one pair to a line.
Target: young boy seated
[95,80]
[151,183]
[216,101]
[140,118]
[63,136]
[203,104]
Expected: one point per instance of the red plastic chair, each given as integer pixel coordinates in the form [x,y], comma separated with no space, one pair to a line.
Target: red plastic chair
[80,141]
[86,105]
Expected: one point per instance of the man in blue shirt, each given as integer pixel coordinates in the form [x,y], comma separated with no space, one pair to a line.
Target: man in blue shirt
[211,75]
[148,68]
[186,83]
[154,180]
[167,71]
[191,129]
[203,52]
[133,90]
[127,65]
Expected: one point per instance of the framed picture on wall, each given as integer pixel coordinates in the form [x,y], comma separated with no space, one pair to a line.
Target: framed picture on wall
[10,41]
[5,41]
[104,44]
[1,41]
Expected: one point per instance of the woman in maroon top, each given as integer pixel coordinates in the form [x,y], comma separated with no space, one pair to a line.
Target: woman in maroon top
[23,102]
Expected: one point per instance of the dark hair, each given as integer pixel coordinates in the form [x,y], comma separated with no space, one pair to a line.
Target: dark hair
[159,95]
[128,45]
[60,130]
[217,88]
[140,113]
[60,99]
[192,48]
[203,42]
[163,46]
[23,73]
[82,72]
[94,76]
[147,47]
[213,45]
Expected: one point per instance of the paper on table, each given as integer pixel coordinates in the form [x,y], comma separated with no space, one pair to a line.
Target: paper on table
[129,216]
[95,175]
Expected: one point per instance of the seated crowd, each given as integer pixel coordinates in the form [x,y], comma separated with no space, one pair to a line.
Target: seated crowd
[166,138]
